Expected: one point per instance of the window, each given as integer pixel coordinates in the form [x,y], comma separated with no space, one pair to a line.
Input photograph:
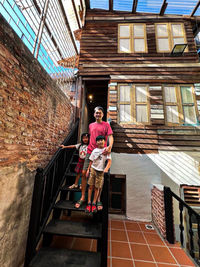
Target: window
[132,38]
[169,34]
[134,103]
[180,104]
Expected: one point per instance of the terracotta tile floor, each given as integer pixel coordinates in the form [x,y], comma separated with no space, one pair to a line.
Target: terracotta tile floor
[130,244]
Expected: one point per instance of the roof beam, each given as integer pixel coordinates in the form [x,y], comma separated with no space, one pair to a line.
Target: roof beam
[135,2]
[81,2]
[87,3]
[67,25]
[110,5]
[76,14]
[195,9]
[163,7]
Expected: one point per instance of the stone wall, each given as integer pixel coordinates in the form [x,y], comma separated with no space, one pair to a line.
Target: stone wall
[35,117]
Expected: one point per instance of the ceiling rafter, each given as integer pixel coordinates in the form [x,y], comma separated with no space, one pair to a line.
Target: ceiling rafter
[195,9]
[110,5]
[163,7]
[76,14]
[135,2]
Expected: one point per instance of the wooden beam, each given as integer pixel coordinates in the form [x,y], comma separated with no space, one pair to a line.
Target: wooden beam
[135,2]
[87,3]
[195,9]
[110,5]
[163,7]
[81,3]
[76,14]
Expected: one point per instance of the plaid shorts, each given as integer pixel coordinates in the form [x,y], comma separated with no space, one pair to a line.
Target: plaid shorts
[96,178]
[79,166]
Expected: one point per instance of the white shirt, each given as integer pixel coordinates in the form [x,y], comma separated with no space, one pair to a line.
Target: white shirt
[98,159]
[82,150]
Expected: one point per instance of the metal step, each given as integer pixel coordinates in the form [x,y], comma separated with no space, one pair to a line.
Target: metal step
[75,229]
[66,188]
[68,205]
[51,257]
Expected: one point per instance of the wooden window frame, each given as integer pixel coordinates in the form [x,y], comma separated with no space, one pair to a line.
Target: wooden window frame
[132,38]
[133,104]
[179,103]
[170,36]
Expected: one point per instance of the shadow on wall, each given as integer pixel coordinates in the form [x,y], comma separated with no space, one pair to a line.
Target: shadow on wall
[16,185]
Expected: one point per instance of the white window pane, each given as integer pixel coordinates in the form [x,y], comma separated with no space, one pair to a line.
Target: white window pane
[124,93]
[189,115]
[125,113]
[139,45]
[141,113]
[170,94]
[138,30]
[177,30]
[141,94]
[187,96]
[124,45]
[124,31]
[163,44]
[172,114]
[179,41]
[162,30]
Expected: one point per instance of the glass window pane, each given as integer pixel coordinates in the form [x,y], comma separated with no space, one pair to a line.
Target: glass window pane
[138,30]
[139,45]
[141,113]
[124,93]
[125,113]
[189,115]
[170,94]
[141,94]
[187,96]
[124,31]
[162,30]
[172,114]
[124,45]
[163,44]
[179,41]
[177,30]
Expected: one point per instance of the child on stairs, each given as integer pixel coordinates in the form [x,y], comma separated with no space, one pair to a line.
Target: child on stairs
[82,148]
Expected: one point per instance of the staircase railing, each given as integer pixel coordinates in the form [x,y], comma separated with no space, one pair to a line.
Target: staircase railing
[193,216]
[45,192]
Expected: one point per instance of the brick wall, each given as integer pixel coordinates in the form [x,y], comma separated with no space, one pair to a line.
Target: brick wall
[35,117]
[158,208]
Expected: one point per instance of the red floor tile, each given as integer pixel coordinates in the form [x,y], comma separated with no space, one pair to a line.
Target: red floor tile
[144,264]
[181,257]
[162,255]
[141,252]
[120,250]
[136,237]
[153,239]
[122,263]
[108,262]
[109,249]
[131,226]
[118,235]
[117,224]
[166,265]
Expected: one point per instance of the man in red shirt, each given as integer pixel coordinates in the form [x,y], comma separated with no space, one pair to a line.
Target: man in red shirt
[99,127]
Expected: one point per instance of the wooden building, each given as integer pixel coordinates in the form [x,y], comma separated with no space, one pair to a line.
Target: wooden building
[151,95]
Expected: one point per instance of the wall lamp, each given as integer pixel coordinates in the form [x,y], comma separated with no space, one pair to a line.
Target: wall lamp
[178,49]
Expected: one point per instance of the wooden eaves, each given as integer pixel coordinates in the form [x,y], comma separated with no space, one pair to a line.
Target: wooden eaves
[163,7]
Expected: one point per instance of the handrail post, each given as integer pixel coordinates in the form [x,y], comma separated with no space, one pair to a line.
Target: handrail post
[35,215]
[169,215]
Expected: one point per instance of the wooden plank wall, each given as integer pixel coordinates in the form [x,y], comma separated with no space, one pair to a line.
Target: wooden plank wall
[99,56]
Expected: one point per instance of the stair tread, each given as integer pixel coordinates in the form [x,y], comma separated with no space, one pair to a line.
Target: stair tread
[76,229]
[66,188]
[68,205]
[71,174]
[47,257]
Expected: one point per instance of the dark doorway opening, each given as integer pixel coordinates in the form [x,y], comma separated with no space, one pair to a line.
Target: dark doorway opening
[96,95]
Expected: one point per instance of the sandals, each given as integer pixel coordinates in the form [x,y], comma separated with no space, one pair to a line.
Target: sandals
[99,205]
[94,208]
[88,208]
[73,186]
[80,203]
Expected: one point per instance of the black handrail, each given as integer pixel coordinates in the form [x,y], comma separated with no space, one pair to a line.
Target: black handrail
[168,198]
[45,192]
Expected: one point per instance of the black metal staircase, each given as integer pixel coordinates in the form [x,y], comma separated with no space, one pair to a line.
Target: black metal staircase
[51,202]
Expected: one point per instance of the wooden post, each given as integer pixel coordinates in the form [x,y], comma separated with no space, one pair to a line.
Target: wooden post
[169,215]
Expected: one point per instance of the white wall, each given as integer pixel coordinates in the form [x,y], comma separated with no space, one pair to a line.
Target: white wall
[140,173]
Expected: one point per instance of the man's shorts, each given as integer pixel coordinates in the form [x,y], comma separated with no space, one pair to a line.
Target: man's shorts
[96,178]
[86,162]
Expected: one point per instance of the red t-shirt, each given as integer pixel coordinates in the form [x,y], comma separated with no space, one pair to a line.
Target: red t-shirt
[95,129]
